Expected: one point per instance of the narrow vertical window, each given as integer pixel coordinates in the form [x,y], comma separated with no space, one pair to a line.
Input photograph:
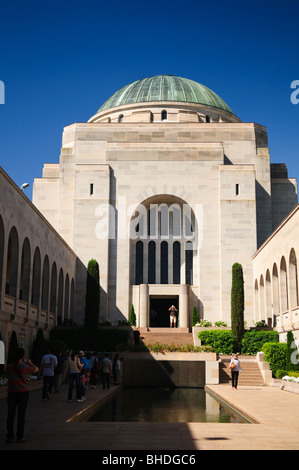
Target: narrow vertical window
[139,263]
[121,118]
[164,263]
[91,189]
[237,189]
[176,263]
[152,262]
[164,115]
[189,263]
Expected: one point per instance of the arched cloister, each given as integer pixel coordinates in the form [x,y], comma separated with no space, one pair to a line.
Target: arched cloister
[67,298]
[25,271]
[53,291]
[12,263]
[45,284]
[2,242]
[60,297]
[275,290]
[293,279]
[36,278]
[283,285]
[268,299]
[262,299]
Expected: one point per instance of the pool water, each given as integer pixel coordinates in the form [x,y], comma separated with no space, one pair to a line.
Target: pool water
[165,405]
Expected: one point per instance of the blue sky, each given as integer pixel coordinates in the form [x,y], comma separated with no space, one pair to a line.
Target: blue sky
[60,60]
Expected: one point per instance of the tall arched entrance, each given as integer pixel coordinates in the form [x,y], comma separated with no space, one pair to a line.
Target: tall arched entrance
[164,259]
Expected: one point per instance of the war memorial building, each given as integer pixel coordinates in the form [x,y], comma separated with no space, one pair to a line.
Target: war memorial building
[167,188]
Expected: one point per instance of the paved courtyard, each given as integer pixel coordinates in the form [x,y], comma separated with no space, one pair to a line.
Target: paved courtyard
[50,426]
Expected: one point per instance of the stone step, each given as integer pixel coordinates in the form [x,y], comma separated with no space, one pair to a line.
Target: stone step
[250,374]
[170,336]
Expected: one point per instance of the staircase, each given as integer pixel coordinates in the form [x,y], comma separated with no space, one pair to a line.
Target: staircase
[249,375]
[176,336]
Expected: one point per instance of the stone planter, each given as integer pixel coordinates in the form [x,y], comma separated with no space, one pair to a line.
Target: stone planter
[289,386]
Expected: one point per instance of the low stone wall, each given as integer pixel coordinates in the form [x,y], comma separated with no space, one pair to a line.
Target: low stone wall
[170,369]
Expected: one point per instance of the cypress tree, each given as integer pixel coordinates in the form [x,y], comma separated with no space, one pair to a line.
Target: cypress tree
[132,317]
[92,302]
[237,304]
[194,316]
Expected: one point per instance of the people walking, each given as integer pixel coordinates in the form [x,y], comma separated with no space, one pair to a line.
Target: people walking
[106,371]
[58,372]
[48,364]
[18,393]
[74,367]
[95,368]
[235,368]
[116,369]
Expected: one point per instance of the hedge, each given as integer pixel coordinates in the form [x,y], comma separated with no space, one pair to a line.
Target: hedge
[275,354]
[253,340]
[224,342]
[220,341]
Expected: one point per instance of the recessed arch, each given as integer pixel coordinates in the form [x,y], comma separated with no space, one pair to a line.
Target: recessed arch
[45,284]
[53,291]
[283,284]
[12,263]
[36,278]
[275,290]
[2,242]
[262,298]
[25,271]
[293,275]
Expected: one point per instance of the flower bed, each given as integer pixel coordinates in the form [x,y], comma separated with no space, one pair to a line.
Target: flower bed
[290,384]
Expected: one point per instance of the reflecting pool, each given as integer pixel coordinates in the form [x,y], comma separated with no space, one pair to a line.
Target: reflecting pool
[165,405]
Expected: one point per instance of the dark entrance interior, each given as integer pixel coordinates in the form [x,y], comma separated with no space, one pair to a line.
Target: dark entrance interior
[159,313]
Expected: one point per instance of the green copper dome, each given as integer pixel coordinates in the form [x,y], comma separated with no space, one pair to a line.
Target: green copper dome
[165,88]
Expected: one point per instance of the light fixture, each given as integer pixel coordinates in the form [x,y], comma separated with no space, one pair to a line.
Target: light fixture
[24,185]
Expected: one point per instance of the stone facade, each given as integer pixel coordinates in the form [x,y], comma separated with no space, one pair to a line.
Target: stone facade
[116,168]
[275,275]
[38,270]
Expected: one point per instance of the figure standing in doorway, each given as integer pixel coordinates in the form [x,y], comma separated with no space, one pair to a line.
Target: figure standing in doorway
[172,311]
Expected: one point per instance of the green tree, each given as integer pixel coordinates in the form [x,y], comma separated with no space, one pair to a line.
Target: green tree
[92,301]
[195,318]
[39,347]
[237,304]
[12,348]
[132,317]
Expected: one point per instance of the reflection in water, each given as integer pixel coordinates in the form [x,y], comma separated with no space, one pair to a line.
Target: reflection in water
[174,405]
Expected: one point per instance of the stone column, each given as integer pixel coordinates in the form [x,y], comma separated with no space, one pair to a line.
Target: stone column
[184,306]
[143,305]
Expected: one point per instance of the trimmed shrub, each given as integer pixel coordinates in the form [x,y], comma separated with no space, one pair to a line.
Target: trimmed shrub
[275,353]
[220,341]
[253,340]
